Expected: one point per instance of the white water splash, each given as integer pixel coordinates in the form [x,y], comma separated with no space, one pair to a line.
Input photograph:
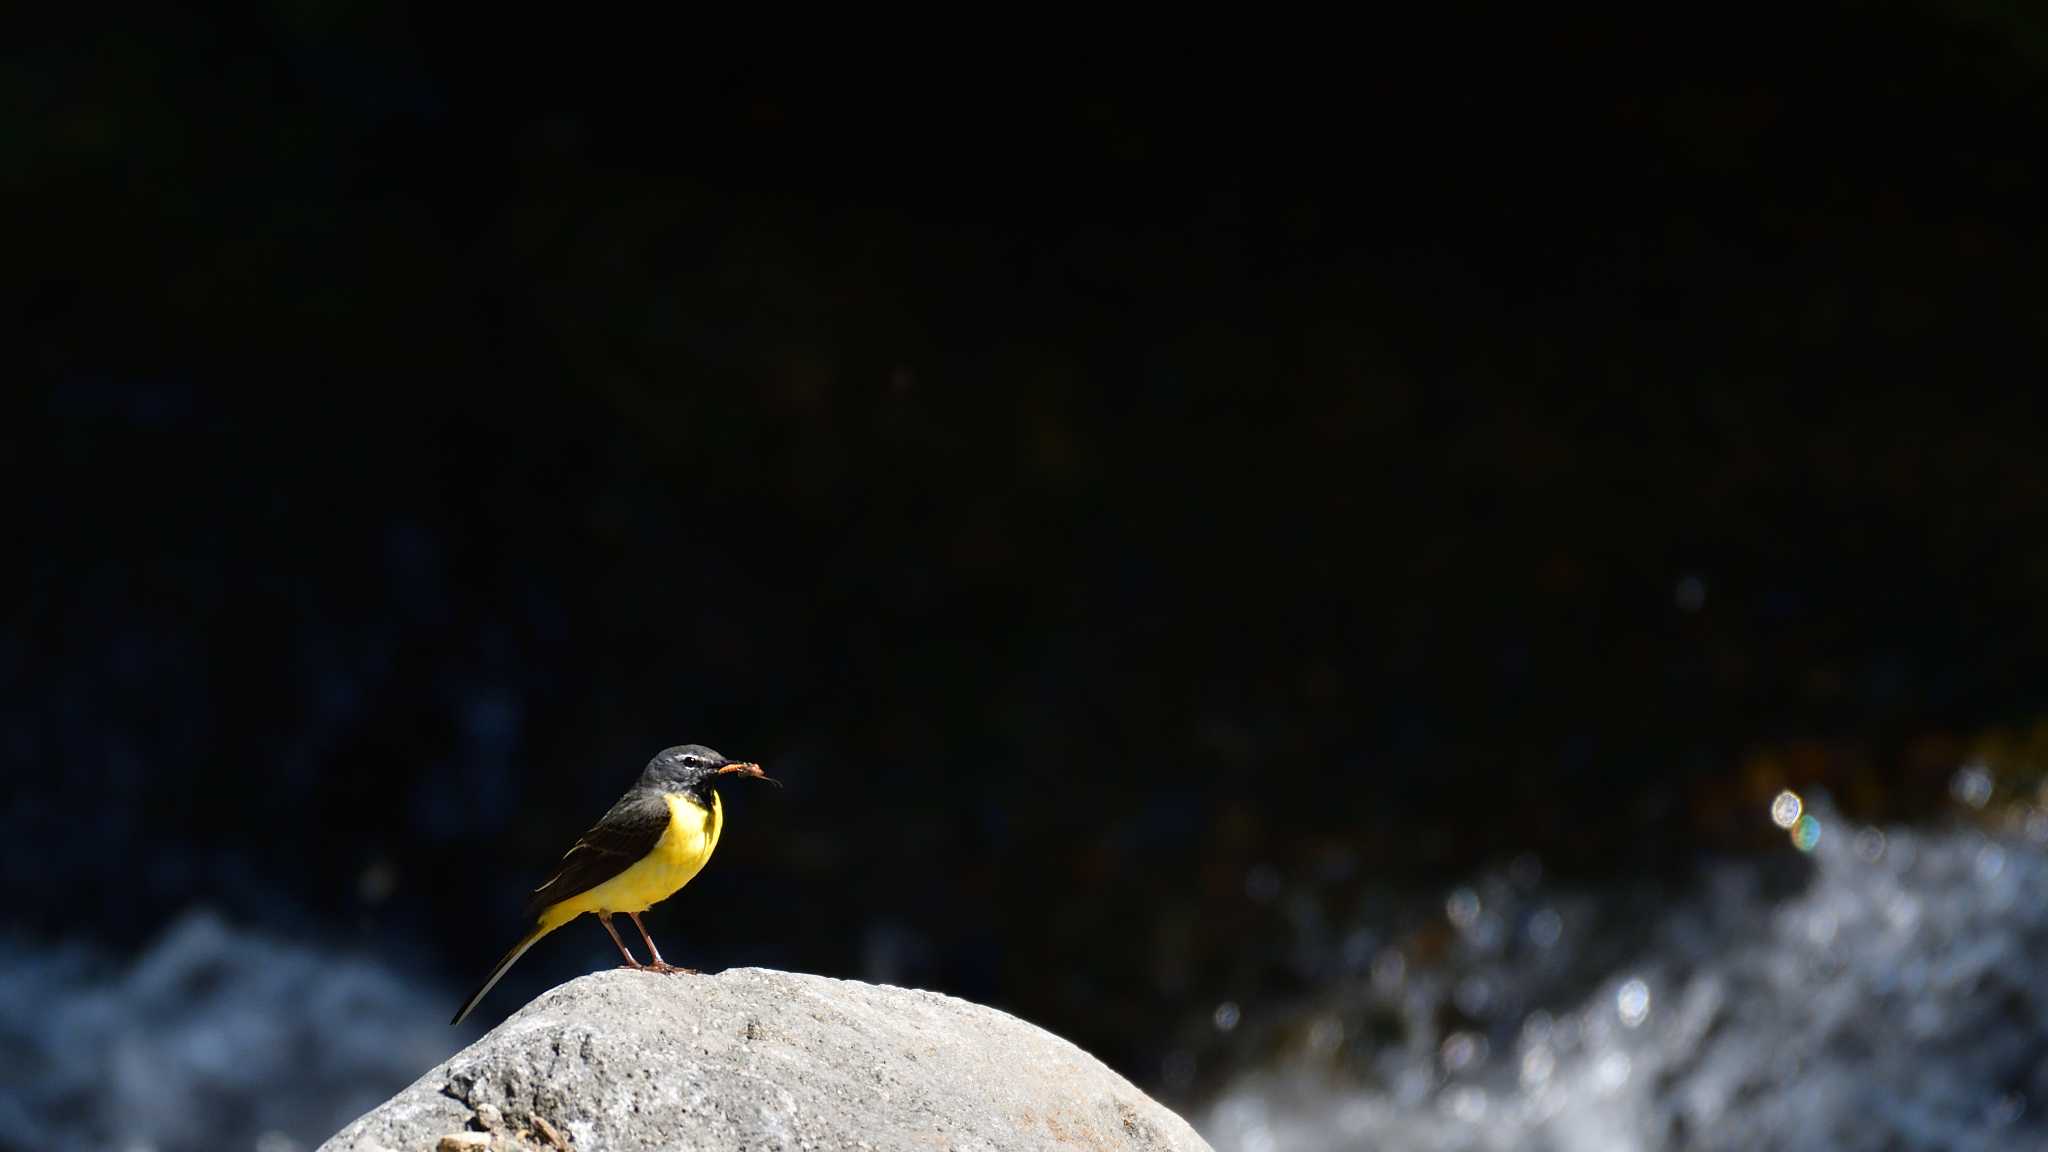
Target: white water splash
[1896,1002]
[213,1039]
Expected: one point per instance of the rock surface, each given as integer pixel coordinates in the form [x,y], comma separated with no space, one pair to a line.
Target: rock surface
[755,1059]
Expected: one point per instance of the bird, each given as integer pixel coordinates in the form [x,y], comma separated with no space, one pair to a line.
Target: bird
[652,842]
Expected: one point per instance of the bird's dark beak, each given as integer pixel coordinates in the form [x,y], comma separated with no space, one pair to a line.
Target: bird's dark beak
[745,768]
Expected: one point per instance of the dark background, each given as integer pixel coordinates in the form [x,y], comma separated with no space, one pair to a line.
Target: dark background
[1103,487]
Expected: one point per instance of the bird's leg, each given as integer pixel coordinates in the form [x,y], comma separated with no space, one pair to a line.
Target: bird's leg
[659,964]
[605,918]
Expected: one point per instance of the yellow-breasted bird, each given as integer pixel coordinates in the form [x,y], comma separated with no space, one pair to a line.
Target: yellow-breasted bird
[652,842]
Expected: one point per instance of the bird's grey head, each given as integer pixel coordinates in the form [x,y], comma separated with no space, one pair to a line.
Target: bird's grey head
[686,767]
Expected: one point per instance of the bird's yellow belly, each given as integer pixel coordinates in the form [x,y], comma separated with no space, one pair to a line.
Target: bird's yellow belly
[677,858]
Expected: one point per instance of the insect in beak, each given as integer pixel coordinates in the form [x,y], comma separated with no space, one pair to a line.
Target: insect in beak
[744,768]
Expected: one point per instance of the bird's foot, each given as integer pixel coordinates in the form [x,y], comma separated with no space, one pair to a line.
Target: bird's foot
[635,966]
[671,969]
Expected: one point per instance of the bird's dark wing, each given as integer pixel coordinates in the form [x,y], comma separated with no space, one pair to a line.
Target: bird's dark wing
[626,834]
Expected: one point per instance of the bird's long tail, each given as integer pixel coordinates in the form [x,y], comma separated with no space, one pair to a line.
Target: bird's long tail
[497,973]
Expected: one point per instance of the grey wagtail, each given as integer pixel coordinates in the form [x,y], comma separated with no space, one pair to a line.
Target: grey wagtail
[652,842]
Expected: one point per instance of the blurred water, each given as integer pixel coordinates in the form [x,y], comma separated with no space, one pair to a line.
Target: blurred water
[1892,1001]
[212,1039]
[1885,999]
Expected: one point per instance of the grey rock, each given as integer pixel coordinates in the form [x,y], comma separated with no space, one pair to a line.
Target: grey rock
[754,1059]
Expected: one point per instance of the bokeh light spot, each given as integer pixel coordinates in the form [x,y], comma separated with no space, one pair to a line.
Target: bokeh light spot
[1990,862]
[1971,785]
[1467,1104]
[1611,1072]
[1227,1015]
[1806,833]
[1786,808]
[1632,1001]
[1462,907]
[1462,1050]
